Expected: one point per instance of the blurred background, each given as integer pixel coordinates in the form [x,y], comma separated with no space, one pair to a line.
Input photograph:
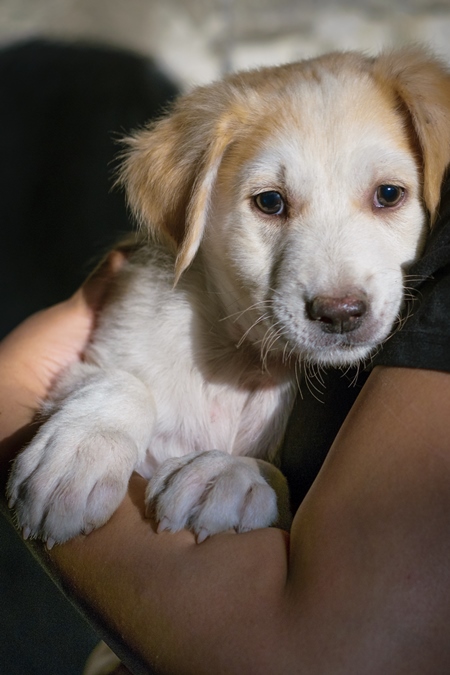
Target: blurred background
[75,75]
[195,40]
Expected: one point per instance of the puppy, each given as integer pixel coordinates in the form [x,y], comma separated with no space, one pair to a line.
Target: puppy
[284,206]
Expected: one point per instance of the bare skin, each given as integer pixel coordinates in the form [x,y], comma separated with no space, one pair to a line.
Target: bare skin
[362,585]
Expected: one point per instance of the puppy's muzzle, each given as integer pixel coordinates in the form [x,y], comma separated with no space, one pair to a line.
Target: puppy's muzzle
[338,314]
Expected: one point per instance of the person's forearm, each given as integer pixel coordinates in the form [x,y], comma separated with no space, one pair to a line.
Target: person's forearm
[366,589]
[183,607]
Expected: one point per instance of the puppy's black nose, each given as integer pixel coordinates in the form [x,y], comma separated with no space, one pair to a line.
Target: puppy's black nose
[338,315]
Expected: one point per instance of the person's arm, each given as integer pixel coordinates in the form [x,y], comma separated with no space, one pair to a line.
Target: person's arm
[362,586]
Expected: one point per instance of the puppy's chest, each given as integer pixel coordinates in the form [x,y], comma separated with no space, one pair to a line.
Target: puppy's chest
[197,415]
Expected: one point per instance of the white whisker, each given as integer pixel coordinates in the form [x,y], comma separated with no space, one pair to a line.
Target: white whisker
[235,316]
[263,317]
[298,373]
[310,385]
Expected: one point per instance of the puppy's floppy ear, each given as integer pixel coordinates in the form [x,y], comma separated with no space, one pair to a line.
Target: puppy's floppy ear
[423,85]
[171,166]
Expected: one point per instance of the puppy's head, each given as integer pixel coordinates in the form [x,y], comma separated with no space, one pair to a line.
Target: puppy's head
[308,187]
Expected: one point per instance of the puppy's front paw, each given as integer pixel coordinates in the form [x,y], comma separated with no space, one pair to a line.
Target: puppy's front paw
[69,480]
[210,493]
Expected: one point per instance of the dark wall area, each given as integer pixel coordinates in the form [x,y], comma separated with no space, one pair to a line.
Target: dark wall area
[63,109]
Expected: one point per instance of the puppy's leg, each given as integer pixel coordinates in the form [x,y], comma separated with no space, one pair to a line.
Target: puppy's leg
[75,472]
[213,492]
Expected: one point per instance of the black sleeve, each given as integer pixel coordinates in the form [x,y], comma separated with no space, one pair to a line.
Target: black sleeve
[314,422]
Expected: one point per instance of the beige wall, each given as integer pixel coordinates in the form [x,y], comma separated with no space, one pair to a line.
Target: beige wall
[198,39]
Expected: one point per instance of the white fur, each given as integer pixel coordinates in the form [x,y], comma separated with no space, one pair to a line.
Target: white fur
[210,364]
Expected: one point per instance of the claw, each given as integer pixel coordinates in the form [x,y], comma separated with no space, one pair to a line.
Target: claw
[88,529]
[50,543]
[26,532]
[202,535]
[164,524]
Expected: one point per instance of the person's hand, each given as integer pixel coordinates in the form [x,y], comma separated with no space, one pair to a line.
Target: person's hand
[40,348]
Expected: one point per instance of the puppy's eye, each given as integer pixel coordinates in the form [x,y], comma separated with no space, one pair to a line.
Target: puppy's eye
[388,196]
[271,203]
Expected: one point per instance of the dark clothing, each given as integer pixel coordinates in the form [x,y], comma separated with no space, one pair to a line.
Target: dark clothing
[424,341]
